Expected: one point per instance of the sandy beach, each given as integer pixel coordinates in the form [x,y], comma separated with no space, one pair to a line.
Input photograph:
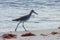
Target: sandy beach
[40,35]
[43,26]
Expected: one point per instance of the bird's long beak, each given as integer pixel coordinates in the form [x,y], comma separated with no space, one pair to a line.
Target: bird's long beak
[36,13]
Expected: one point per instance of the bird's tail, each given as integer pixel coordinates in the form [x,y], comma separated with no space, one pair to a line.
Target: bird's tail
[15,20]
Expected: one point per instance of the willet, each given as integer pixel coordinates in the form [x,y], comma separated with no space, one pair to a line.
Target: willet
[24,19]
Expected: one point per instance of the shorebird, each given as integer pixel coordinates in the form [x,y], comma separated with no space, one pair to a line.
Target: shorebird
[24,19]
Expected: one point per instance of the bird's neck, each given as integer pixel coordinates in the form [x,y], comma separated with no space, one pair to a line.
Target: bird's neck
[30,14]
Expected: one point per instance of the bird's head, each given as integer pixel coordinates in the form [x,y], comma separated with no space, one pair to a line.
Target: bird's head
[34,12]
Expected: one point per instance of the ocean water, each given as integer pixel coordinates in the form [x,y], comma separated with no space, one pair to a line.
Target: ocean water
[48,14]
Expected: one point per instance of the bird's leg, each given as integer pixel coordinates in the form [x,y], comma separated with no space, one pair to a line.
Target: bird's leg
[17,26]
[23,26]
